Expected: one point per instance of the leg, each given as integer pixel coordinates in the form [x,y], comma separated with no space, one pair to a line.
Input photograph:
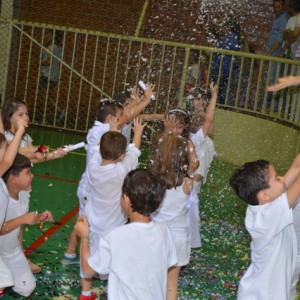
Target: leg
[23,277]
[6,276]
[33,267]
[70,256]
[172,285]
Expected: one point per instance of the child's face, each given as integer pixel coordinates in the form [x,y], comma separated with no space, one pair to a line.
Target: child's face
[23,180]
[178,129]
[276,183]
[119,114]
[20,113]
[199,103]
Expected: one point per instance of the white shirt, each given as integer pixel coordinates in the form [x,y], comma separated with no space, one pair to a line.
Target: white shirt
[172,208]
[93,138]
[137,257]
[273,251]
[4,198]
[25,142]
[10,242]
[103,210]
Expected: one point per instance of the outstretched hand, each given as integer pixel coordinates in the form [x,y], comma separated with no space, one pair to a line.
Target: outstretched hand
[283,83]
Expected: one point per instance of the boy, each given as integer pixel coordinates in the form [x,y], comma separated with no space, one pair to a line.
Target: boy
[103,210]
[107,118]
[18,182]
[269,220]
[136,255]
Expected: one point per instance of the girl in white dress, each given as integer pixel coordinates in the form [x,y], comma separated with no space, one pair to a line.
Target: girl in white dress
[171,160]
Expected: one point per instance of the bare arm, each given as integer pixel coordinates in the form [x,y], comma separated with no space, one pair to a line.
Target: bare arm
[138,130]
[292,37]
[210,112]
[29,218]
[133,110]
[13,148]
[283,83]
[292,173]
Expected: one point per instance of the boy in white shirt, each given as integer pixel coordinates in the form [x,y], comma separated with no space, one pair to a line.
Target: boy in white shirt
[107,118]
[103,210]
[18,182]
[269,220]
[136,255]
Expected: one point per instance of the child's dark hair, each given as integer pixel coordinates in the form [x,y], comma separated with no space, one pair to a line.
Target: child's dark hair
[121,97]
[183,117]
[145,189]
[20,163]
[107,107]
[250,179]
[112,145]
[171,159]
[8,109]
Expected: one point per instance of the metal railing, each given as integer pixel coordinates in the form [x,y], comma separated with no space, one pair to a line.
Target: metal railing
[91,65]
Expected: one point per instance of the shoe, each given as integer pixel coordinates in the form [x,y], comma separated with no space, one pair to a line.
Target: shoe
[70,261]
[92,296]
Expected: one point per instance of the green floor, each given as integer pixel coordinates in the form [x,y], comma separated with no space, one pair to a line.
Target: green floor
[214,270]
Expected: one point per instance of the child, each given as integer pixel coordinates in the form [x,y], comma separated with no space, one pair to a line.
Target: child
[177,122]
[14,110]
[133,105]
[7,156]
[136,255]
[202,117]
[18,182]
[171,160]
[107,118]
[269,220]
[103,210]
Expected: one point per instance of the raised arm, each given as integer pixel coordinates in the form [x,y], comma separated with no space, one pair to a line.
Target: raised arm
[283,83]
[133,109]
[292,173]
[13,147]
[211,108]
[138,130]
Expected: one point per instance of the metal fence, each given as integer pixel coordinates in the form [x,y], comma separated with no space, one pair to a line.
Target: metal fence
[62,73]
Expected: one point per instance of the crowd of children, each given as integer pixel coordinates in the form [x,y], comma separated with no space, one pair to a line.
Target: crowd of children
[128,214]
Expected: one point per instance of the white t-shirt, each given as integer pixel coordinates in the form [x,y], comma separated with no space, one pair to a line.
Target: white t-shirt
[4,198]
[93,138]
[273,251]
[137,257]
[10,244]
[25,142]
[103,210]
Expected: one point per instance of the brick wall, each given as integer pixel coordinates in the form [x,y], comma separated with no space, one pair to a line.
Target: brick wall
[185,21]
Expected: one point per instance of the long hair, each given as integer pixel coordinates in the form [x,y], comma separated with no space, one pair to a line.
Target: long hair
[8,109]
[171,159]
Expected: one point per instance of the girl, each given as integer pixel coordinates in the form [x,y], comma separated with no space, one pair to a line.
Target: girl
[171,160]
[177,122]
[14,110]
[201,127]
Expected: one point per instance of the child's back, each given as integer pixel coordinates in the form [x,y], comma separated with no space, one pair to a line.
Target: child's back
[137,255]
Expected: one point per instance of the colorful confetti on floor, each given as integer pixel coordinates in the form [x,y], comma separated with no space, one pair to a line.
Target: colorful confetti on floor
[214,270]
